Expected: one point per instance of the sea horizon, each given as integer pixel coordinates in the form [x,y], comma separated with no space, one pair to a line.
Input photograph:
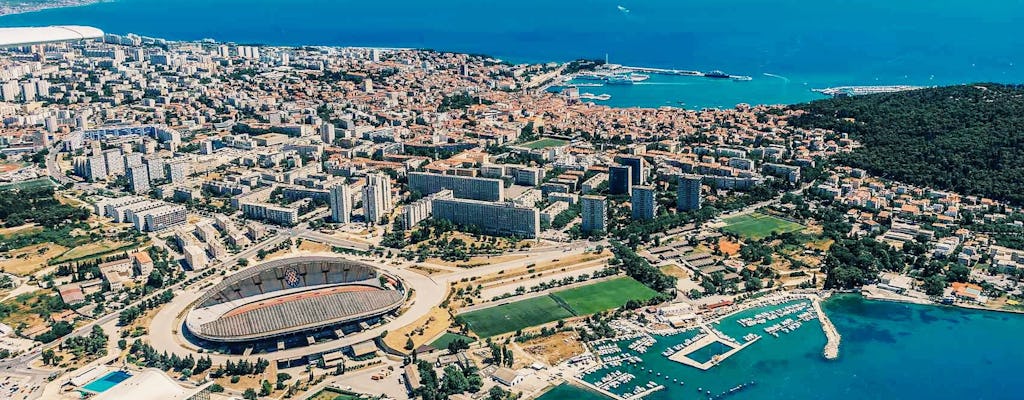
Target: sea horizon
[788,47]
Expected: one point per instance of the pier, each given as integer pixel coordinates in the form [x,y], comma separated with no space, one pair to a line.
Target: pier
[682,355]
[612,395]
[831,351]
[662,71]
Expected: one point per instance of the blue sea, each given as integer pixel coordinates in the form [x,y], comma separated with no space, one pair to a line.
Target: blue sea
[888,351]
[802,44]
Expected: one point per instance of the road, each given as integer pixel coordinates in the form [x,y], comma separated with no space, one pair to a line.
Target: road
[53,170]
[21,364]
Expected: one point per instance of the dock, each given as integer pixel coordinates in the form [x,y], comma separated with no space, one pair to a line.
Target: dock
[831,351]
[596,388]
[682,355]
[663,71]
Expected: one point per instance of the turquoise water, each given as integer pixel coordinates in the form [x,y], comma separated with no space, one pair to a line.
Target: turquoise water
[802,44]
[107,381]
[888,351]
[566,391]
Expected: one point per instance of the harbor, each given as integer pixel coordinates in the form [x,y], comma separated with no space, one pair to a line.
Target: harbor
[645,361]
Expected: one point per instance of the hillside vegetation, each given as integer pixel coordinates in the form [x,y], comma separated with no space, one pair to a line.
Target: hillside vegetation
[969,139]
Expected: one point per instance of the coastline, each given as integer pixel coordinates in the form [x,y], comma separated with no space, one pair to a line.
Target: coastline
[831,350]
[5,12]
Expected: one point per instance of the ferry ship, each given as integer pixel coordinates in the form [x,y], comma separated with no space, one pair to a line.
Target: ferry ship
[717,74]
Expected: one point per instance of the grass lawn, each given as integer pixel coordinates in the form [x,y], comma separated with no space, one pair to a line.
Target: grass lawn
[583,300]
[448,337]
[29,259]
[514,316]
[91,249]
[759,226]
[35,183]
[605,295]
[334,394]
[544,143]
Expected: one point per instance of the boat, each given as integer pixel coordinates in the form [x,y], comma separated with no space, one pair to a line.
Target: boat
[717,74]
[741,78]
[639,77]
[589,76]
[619,79]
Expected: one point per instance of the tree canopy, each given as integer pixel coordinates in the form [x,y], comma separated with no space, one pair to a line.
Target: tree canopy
[961,138]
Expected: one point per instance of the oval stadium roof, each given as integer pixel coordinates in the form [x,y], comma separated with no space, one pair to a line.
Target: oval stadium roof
[24,36]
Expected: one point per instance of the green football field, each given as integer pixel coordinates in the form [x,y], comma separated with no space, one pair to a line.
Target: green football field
[448,337]
[514,316]
[605,295]
[546,142]
[583,300]
[758,226]
[35,183]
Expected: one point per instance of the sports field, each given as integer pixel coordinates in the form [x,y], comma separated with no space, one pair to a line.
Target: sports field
[583,300]
[759,226]
[605,295]
[35,183]
[448,337]
[544,143]
[514,316]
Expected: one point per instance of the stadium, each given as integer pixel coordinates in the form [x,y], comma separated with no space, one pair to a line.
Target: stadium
[293,295]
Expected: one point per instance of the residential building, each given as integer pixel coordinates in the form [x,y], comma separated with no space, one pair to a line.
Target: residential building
[620,180]
[494,218]
[463,187]
[341,203]
[595,213]
[688,193]
[644,204]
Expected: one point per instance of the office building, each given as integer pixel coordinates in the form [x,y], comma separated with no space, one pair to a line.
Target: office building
[463,187]
[341,203]
[688,193]
[620,180]
[595,214]
[493,218]
[644,204]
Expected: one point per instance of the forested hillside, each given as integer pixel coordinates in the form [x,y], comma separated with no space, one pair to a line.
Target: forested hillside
[969,139]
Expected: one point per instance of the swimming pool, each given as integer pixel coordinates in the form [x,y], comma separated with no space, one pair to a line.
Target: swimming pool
[106,382]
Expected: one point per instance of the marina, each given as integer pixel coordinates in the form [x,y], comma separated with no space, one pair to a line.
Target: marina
[641,362]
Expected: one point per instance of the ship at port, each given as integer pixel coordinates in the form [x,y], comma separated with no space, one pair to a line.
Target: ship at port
[717,74]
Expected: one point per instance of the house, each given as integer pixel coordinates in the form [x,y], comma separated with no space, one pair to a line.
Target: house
[412,377]
[143,264]
[968,291]
[459,358]
[507,376]
[117,272]
[71,293]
